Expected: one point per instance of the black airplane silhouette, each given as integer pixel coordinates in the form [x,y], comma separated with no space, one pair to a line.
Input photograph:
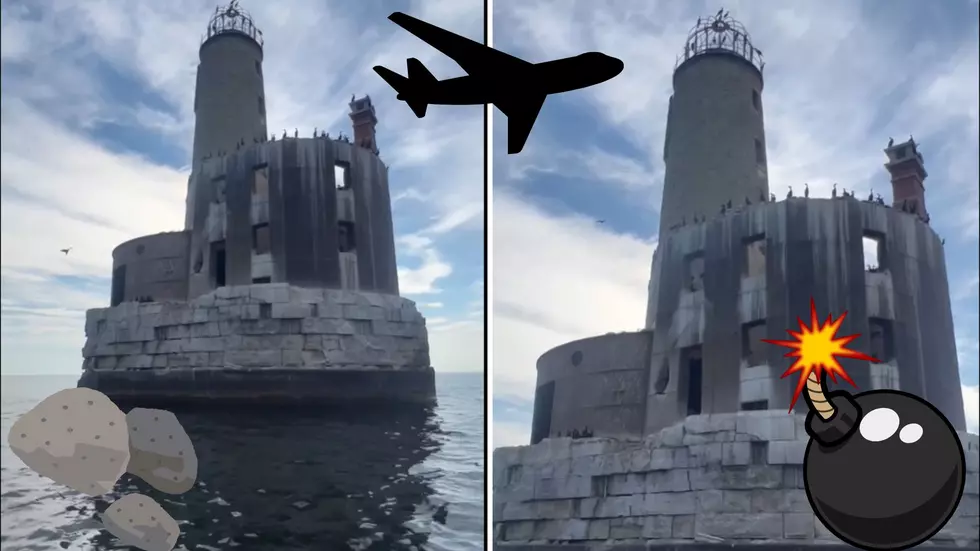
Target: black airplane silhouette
[66,251]
[517,87]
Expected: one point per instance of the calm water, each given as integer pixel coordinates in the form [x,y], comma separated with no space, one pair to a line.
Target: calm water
[278,481]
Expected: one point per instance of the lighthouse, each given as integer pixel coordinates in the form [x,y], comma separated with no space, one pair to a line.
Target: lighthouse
[283,284]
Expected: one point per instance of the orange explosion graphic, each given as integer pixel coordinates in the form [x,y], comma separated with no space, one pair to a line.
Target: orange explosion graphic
[816,350]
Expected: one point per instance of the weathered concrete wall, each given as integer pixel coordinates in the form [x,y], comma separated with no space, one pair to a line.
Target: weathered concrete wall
[229,102]
[600,384]
[729,479]
[258,331]
[156,266]
[302,210]
[813,248]
[709,149]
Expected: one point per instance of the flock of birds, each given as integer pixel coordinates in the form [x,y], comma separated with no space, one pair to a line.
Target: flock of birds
[317,133]
[728,207]
[575,434]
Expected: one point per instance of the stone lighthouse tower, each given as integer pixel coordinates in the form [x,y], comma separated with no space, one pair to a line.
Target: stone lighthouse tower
[229,99]
[715,144]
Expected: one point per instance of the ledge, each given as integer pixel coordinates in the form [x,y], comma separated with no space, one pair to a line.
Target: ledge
[266,387]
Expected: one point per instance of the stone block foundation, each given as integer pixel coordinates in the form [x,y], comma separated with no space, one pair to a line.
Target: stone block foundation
[710,481]
[261,343]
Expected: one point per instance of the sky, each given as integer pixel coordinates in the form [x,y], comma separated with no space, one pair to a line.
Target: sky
[841,77]
[97,124]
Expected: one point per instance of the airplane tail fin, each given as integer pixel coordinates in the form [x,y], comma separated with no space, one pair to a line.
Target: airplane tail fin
[411,88]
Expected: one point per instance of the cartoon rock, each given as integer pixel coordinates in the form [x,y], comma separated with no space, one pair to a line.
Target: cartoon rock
[76,437]
[139,521]
[161,452]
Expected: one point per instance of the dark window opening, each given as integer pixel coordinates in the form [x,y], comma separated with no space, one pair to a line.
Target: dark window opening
[265,311]
[262,279]
[873,244]
[756,100]
[544,401]
[260,238]
[758,452]
[691,360]
[218,264]
[341,175]
[600,485]
[753,351]
[695,271]
[261,106]
[345,237]
[754,256]
[882,341]
[118,285]
[757,405]
[220,184]
[198,261]
[513,474]
[260,183]
[258,67]
[663,378]
[576,358]
[760,152]
[901,152]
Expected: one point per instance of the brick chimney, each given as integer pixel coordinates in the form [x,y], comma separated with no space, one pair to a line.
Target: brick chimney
[363,118]
[908,172]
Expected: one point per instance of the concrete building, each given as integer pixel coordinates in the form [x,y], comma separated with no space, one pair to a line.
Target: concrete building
[297,231]
[696,385]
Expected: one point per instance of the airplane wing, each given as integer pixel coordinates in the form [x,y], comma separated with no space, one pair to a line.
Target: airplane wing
[521,114]
[468,54]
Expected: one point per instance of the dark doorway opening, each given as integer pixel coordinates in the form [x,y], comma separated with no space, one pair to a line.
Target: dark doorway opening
[118,285]
[544,401]
[691,359]
[218,264]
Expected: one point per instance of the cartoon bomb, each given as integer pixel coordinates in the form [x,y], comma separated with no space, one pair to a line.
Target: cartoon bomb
[884,469]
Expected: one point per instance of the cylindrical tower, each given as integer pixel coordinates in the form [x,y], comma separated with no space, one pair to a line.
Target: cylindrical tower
[715,145]
[229,100]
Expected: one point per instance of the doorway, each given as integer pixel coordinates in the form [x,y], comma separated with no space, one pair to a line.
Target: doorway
[118,285]
[544,401]
[218,264]
[691,359]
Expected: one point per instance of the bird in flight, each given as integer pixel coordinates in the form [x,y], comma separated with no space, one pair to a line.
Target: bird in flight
[517,87]
[66,251]
[602,221]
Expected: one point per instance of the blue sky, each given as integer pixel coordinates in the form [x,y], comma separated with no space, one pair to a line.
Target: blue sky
[841,77]
[97,123]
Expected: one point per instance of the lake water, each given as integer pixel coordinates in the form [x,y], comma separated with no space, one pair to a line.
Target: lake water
[282,480]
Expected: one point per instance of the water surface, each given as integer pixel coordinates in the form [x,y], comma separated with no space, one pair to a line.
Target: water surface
[282,480]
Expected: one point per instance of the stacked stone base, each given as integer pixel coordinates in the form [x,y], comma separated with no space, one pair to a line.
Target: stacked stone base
[709,482]
[267,343]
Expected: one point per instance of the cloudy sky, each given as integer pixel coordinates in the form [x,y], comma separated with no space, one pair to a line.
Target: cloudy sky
[841,77]
[97,120]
